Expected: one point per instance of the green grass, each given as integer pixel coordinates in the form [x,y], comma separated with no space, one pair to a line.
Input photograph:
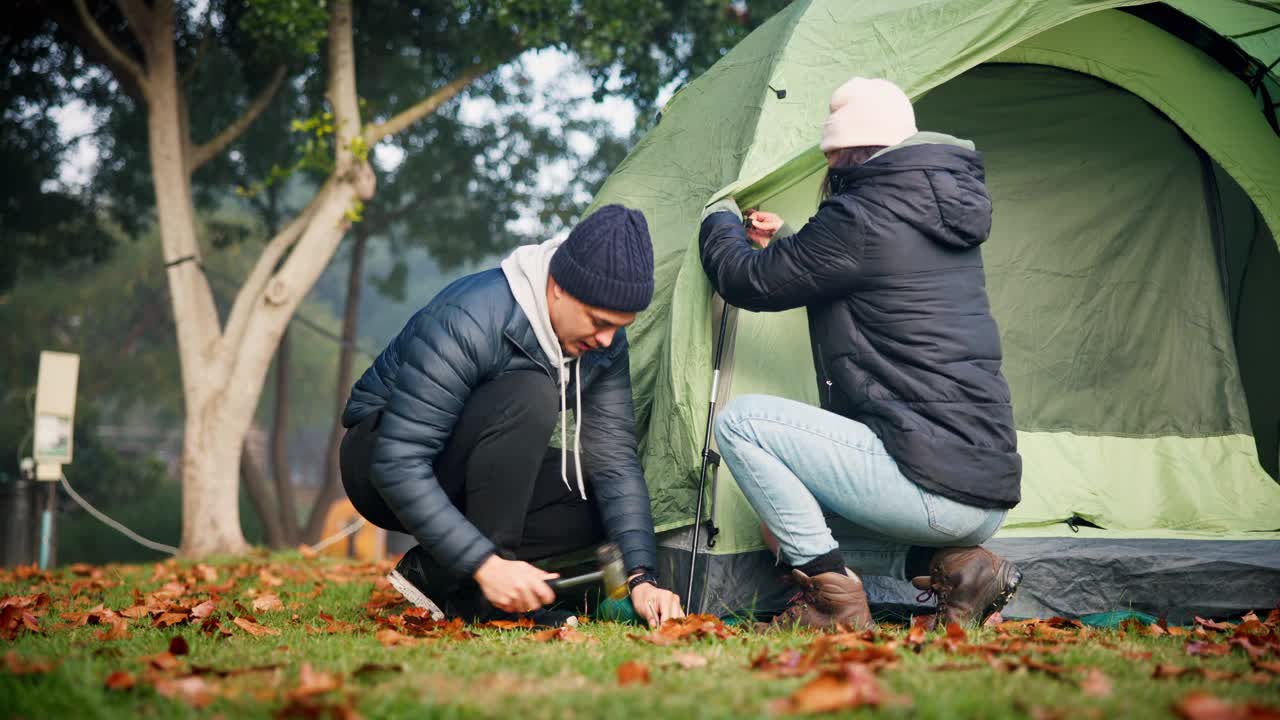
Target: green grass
[505,674]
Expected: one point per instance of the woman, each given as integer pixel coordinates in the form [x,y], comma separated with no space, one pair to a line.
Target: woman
[912,455]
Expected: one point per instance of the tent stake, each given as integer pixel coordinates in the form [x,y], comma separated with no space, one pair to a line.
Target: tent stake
[706,460]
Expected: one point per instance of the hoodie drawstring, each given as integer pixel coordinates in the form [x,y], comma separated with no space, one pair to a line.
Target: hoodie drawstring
[577,425]
[577,429]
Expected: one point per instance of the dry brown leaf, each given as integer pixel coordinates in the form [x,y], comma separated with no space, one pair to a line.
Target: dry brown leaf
[1203,706]
[267,602]
[254,628]
[334,627]
[119,631]
[522,623]
[561,634]
[1271,666]
[390,638]
[1204,649]
[268,579]
[178,646]
[915,636]
[314,682]
[1211,625]
[169,618]
[1096,684]
[689,661]
[191,689]
[163,662]
[135,612]
[15,664]
[120,680]
[851,687]
[632,672]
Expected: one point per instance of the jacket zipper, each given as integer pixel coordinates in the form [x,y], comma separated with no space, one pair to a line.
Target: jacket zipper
[826,378]
[529,355]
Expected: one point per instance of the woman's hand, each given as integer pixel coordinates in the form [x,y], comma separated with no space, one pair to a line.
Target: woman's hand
[762,226]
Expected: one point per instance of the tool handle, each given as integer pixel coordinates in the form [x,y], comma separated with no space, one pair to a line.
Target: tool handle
[569,582]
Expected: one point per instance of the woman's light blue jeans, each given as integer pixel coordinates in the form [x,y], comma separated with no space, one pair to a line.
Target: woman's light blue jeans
[820,481]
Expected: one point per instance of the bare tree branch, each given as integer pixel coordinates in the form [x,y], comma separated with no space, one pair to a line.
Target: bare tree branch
[376,133]
[266,266]
[342,83]
[139,17]
[116,58]
[202,154]
[201,49]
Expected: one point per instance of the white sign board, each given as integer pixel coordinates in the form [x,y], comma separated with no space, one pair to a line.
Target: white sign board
[55,407]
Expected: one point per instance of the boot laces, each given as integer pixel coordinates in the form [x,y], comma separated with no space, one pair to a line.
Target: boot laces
[937,589]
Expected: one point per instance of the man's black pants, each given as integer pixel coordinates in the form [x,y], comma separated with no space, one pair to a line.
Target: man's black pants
[497,469]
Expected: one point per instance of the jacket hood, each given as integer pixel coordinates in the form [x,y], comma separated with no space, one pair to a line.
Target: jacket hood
[957,212]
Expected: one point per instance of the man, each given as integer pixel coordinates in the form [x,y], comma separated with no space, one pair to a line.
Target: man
[911,461]
[448,431]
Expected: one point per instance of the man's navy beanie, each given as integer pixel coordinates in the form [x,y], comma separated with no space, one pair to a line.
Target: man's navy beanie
[607,261]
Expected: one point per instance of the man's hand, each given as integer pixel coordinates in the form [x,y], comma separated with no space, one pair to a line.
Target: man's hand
[654,604]
[514,586]
[763,226]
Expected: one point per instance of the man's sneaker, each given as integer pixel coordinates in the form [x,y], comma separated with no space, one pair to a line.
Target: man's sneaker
[970,583]
[825,601]
[410,579]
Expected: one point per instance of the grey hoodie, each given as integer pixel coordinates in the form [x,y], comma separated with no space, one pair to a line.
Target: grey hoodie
[527,269]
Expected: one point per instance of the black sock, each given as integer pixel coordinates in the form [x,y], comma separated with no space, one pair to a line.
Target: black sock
[831,561]
[918,559]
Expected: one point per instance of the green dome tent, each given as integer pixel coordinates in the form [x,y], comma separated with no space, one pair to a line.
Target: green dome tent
[1133,158]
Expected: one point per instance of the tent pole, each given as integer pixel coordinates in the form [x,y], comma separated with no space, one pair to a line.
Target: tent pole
[706,458]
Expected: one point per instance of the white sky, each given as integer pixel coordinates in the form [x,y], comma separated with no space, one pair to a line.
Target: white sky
[553,73]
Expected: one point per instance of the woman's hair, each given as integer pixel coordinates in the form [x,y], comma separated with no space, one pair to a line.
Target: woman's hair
[846,158]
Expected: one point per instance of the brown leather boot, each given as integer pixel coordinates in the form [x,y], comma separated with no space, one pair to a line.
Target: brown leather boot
[970,583]
[825,601]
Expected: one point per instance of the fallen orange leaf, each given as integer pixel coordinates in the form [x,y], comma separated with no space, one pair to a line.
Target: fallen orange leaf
[632,672]
[267,602]
[688,661]
[120,680]
[119,631]
[1096,684]
[313,682]
[17,665]
[254,628]
[191,689]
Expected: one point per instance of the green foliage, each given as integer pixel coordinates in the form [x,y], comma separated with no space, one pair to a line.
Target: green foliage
[44,222]
[285,29]
[355,213]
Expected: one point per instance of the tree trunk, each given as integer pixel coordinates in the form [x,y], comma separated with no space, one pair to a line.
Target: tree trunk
[255,482]
[331,480]
[224,368]
[288,512]
[213,437]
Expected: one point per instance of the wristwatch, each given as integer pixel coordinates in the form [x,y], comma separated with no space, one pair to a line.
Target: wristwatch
[646,576]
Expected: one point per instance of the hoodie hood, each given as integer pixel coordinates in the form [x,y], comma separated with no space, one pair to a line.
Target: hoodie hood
[527,269]
[958,214]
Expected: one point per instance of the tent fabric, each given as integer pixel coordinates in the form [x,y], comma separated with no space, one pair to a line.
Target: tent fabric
[1133,269]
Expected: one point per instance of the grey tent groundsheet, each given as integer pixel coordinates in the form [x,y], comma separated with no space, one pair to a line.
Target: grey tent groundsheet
[1070,576]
